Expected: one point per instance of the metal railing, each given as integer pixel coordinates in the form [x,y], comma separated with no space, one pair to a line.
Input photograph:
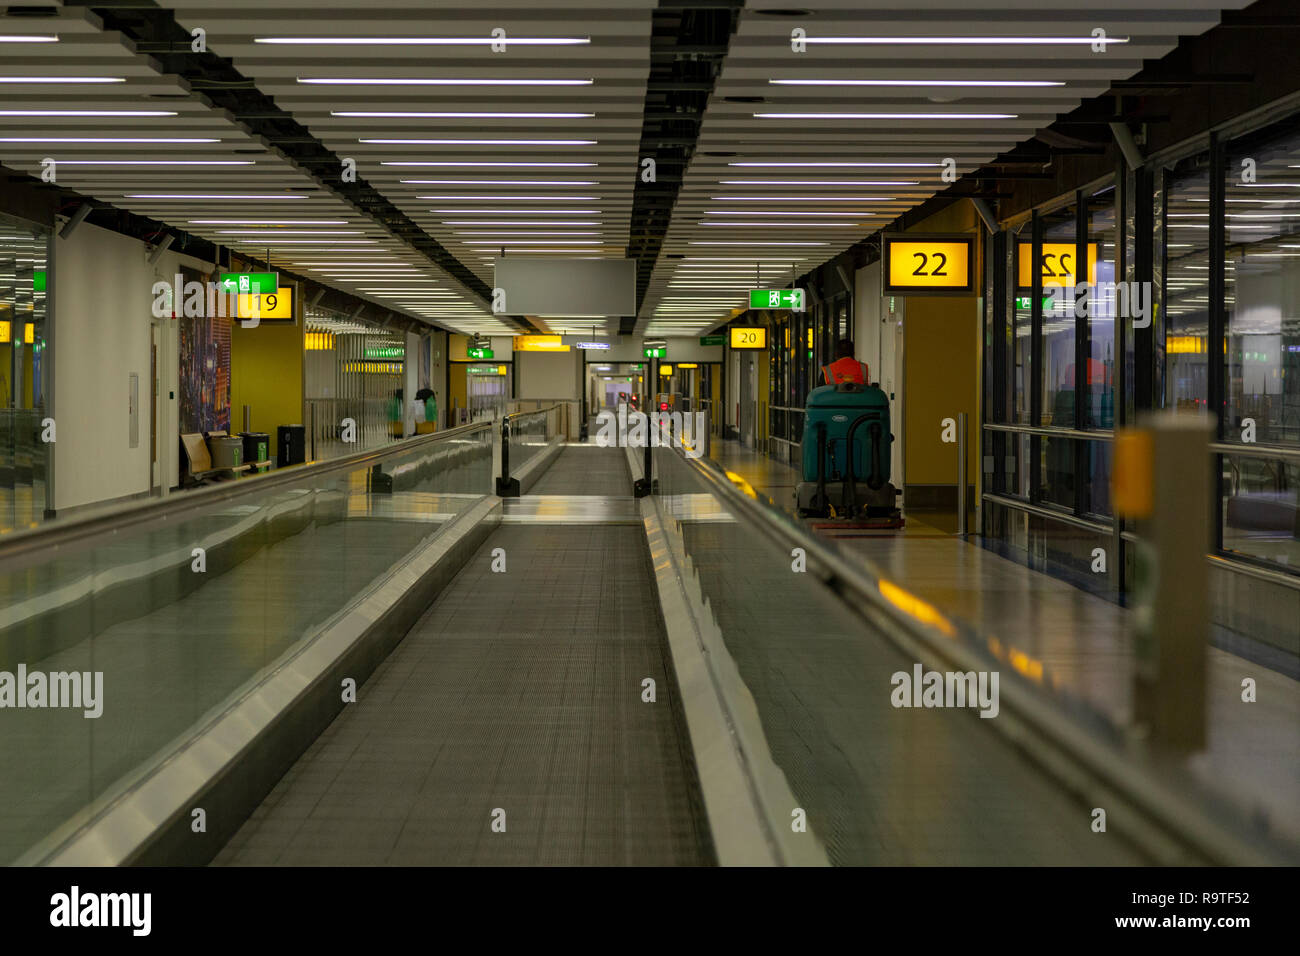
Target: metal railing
[528,433]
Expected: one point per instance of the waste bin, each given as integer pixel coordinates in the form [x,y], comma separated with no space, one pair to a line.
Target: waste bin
[291,444]
[257,446]
[226,451]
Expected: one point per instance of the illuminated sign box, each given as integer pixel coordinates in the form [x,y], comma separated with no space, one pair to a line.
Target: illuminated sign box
[540,343]
[748,338]
[249,283]
[1058,260]
[480,353]
[776,299]
[270,306]
[709,340]
[658,352]
[917,264]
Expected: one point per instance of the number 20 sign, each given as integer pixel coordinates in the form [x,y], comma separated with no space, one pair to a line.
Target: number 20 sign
[929,265]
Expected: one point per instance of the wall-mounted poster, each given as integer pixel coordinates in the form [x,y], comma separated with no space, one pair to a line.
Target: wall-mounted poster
[204,368]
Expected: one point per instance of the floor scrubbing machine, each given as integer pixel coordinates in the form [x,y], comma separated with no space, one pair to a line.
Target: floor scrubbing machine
[846,443]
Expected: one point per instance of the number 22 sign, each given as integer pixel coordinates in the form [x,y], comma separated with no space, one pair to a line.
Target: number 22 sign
[928,265]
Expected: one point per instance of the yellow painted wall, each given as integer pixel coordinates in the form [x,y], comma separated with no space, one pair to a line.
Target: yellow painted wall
[266,374]
[941,366]
[459,386]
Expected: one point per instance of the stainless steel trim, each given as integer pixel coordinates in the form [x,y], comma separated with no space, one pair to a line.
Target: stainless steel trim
[1049,432]
[1237,566]
[1099,526]
[147,514]
[1286,452]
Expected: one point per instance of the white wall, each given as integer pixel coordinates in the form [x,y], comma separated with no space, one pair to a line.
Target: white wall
[549,374]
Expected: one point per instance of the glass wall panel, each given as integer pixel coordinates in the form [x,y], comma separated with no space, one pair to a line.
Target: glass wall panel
[1021,369]
[1262,290]
[1185,291]
[1059,272]
[1099,380]
[24,373]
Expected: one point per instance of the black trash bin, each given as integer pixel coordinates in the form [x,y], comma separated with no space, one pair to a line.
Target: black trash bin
[292,445]
[257,446]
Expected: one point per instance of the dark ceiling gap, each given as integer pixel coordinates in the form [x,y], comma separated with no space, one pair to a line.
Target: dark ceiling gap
[215,79]
[688,44]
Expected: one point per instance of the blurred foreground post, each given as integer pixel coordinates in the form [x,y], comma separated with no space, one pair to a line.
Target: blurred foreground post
[1162,478]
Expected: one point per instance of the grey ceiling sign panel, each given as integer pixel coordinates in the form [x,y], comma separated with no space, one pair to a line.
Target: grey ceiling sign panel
[567,286]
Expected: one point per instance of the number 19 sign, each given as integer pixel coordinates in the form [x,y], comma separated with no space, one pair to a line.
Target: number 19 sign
[929,265]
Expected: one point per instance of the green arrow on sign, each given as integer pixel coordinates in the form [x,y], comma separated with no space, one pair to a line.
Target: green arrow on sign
[776,299]
[249,283]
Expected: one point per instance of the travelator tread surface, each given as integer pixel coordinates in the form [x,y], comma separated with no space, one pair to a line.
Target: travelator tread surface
[520,691]
[586,469]
[881,785]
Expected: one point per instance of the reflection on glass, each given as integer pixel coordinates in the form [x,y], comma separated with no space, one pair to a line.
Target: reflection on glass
[1186,292]
[1262,292]
[24,371]
[1099,380]
[1059,274]
[1261,509]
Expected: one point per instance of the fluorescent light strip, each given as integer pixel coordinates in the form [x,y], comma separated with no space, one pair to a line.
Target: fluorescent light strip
[765,212]
[274,233]
[442,114]
[156,162]
[478,142]
[525,235]
[268,222]
[786,225]
[62,79]
[27,38]
[947,83]
[241,196]
[820,165]
[966,41]
[498,182]
[511,222]
[322,242]
[88,112]
[501,165]
[426,41]
[815,182]
[394,81]
[107,139]
[522,212]
[509,198]
[888,116]
[811,199]
[549,242]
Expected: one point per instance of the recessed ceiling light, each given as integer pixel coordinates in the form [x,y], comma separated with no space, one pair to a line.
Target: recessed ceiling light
[968,41]
[425,41]
[768,212]
[946,83]
[90,113]
[501,182]
[478,142]
[268,222]
[257,196]
[512,198]
[815,182]
[813,199]
[888,116]
[479,114]
[62,79]
[403,81]
[525,235]
[521,212]
[106,139]
[519,222]
[821,165]
[497,165]
[698,242]
[26,38]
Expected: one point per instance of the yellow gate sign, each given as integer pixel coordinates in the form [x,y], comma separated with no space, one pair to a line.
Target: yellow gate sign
[268,305]
[1059,261]
[929,265]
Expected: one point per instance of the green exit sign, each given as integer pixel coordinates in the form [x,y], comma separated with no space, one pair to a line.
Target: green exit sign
[707,340]
[250,283]
[1023,302]
[656,353]
[38,280]
[480,353]
[776,299]
[385,352]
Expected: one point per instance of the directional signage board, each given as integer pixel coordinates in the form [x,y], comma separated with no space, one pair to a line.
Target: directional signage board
[776,299]
[708,340]
[660,352]
[748,338]
[1058,259]
[917,264]
[273,306]
[480,353]
[249,283]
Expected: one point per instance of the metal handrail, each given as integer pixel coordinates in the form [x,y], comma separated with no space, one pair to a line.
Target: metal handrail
[1049,432]
[151,513]
[1163,806]
[1255,451]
